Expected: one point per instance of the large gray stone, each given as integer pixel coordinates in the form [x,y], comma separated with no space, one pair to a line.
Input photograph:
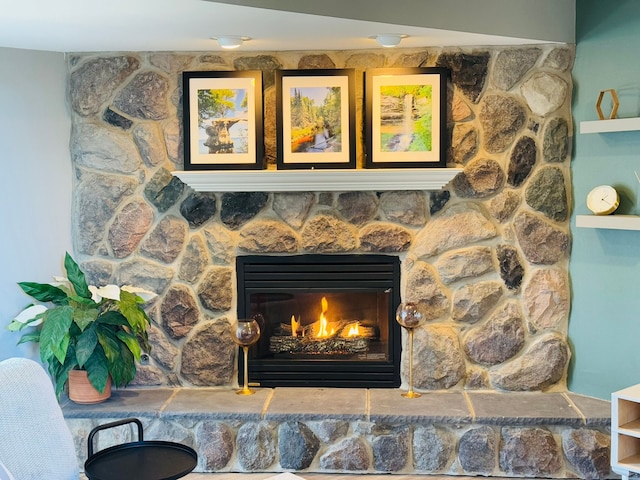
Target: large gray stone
[544,92]
[522,160]
[432,448]
[555,147]
[546,193]
[327,234]
[293,208]
[501,118]
[145,96]
[477,451]
[216,291]
[422,287]
[268,236]
[208,355]
[529,452]
[166,241]
[103,149]
[349,455]
[497,340]
[384,237]
[409,208]
[256,446]
[179,311]
[144,274]
[297,445]
[238,208]
[460,225]
[542,365]
[198,208]
[128,228]
[465,143]
[468,71]
[438,358]
[588,452]
[464,263]
[390,450]
[546,299]
[148,139]
[481,178]
[163,190]
[541,242]
[357,207]
[511,65]
[194,260]
[95,80]
[472,301]
[215,444]
[95,201]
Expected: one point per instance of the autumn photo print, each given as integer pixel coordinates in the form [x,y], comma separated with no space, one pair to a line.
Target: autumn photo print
[222,120]
[315,115]
[405,117]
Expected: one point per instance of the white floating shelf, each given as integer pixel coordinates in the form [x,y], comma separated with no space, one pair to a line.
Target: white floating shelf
[615,125]
[319,180]
[614,222]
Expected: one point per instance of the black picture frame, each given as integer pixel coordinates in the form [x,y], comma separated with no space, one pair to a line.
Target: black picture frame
[406,117]
[302,143]
[214,103]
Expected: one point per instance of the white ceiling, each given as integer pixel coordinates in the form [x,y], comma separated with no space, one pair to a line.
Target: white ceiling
[187,25]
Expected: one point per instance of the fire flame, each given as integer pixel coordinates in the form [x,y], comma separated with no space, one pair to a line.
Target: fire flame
[323,331]
[323,328]
[354,330]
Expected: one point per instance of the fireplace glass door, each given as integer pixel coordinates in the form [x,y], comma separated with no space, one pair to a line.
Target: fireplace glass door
[326,320]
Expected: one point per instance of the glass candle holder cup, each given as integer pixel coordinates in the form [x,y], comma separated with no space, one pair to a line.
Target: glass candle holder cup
[410,316]
[245,332]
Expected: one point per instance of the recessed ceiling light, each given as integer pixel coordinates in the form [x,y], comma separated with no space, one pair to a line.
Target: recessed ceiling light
[230,41]
[389,40]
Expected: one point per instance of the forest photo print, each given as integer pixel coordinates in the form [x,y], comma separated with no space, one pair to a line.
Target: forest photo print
[315,115]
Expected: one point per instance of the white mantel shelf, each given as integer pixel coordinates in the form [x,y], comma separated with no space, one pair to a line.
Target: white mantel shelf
[319,180]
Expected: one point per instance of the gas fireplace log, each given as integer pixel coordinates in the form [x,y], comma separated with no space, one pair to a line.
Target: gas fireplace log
[340,328]
[326,346]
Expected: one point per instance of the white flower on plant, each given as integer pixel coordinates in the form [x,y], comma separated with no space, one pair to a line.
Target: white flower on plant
[112,292]
[145,295]
[28,314]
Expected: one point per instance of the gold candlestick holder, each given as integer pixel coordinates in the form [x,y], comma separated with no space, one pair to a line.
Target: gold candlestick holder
[245,332]
[409,316]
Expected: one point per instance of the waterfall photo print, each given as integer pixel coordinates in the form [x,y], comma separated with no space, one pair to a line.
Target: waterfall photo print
[315,112]
[405,117]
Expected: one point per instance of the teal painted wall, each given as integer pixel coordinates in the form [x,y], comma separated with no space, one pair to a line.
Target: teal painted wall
[604,326]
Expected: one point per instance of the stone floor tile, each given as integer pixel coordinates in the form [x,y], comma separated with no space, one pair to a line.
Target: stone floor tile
[317,404]
[596,411]
[127,402]
[389,405]
[217,404]
[523,408]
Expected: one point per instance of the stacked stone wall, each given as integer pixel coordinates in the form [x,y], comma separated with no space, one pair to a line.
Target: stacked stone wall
[488,255]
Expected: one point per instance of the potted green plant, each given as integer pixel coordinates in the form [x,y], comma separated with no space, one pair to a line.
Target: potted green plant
[102,331]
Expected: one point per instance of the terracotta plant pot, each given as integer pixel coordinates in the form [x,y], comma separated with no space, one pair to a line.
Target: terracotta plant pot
[81,390]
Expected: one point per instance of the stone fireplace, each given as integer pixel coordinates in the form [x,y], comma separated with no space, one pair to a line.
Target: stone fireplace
[487,254]
[325,320]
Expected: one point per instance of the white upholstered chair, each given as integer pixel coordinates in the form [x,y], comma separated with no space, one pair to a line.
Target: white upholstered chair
[35,442]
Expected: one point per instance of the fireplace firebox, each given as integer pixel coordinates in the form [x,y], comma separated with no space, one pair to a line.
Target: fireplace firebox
[325,320]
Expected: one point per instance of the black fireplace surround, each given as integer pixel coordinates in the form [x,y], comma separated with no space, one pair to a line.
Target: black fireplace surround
[325,320]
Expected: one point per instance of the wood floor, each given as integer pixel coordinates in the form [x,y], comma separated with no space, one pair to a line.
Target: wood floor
[322,476]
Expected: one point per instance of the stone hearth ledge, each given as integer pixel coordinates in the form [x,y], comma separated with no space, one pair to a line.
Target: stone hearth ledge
[199,416]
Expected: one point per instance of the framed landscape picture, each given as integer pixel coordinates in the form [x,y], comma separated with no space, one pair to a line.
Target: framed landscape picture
[222,120]
[315,114]
[405,117]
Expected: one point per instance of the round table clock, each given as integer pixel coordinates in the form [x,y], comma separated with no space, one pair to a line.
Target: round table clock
[603,200]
